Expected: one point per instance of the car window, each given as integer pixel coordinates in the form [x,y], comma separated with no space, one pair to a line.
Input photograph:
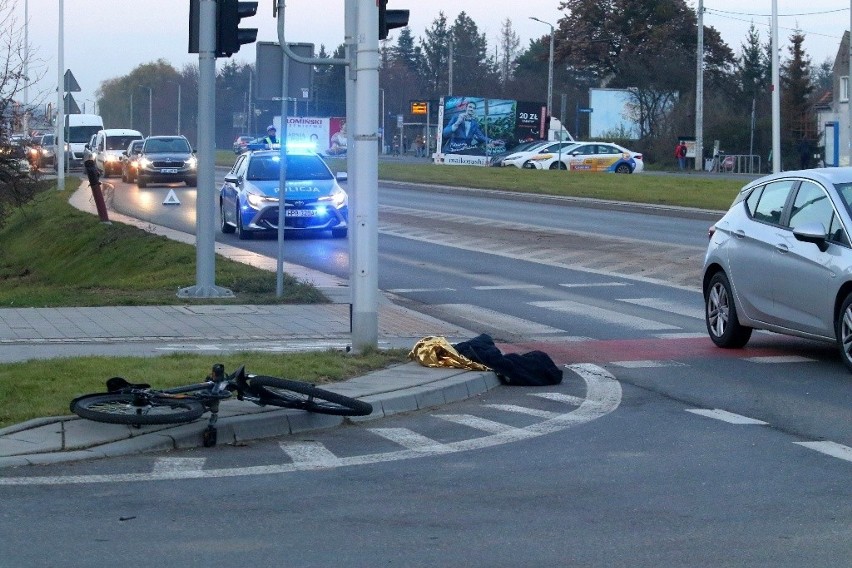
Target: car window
[752,199]
[772,199]
[298,167]
[811,205]
[238,164]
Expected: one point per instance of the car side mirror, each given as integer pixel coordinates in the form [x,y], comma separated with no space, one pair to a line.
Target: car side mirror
[812,232]
[231,178]
[342,176]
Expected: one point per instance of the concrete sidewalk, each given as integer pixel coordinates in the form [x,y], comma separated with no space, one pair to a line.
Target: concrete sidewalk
[29,333]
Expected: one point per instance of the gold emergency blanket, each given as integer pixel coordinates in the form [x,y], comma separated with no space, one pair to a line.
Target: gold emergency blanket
[438,352]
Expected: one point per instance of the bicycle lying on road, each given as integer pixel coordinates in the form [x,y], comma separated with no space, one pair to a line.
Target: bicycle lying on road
[140,405]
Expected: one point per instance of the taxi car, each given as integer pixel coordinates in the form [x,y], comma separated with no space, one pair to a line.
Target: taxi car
[592,157]
[248,199]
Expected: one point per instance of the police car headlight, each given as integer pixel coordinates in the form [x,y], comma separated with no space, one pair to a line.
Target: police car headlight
[337,197]
[258,201]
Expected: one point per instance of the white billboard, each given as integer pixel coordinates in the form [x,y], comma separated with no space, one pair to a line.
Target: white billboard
[611,113]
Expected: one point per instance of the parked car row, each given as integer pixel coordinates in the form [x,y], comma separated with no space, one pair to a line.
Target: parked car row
[574,156]
[155,159]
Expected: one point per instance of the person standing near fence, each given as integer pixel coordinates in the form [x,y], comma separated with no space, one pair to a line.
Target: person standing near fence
[680,154]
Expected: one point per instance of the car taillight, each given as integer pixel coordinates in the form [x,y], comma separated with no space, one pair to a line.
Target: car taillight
[637,157]
[711,231]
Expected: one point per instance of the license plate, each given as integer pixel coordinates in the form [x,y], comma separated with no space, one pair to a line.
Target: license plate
[299,212]
[169,170]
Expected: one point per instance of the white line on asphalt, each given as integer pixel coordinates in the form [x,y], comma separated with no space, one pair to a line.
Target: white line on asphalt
[416,290]
[411,440]
[596,284]
[173,465]
[559,397]
[497,320]
[310,454]
[830,449]
[509,287]
[779,359]
[611,317]
[478,423]
[725,416]
[647,364]
[523,410]
[695,335]
[690,311]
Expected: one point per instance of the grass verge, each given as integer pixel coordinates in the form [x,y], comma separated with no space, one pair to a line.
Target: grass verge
[45,387]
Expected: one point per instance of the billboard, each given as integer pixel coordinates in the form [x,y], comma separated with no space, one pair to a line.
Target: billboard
[472,129]
[612,112]
[326,135]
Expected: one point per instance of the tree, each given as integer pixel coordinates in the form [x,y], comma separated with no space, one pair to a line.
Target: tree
[434,63]
[474,72]
[508,49]
[798,122]
[330,85]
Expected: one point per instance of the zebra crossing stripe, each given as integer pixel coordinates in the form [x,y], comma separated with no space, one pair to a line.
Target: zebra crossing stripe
[478,423]
[178,465]
[411,440]
[830,449]
[690,311]
[497,320]
[559,397]
[523,410]
[725,416]
[310,454]
[608,316]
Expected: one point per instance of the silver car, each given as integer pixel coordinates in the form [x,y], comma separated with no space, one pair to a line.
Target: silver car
[780,259]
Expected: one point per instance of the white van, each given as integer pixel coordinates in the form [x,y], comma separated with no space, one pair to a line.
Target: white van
[79,129]
[109,145]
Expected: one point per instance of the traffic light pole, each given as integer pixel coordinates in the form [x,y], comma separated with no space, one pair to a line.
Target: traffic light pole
[205,201]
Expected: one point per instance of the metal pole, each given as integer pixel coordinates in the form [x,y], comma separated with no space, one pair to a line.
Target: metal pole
[549,67]
[699,92]
[178,130]
[131,110]
[150,110]
[776,94]
[26,67]
[282,173]
[365,325]
[848,85]
[206,201]
[60,106]
[450,86]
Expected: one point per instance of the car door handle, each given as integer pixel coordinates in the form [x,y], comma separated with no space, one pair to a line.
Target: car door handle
[781,247]
[739,233]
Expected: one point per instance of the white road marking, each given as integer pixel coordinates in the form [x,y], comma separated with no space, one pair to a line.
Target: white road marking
[411,440]
[417,290]
[647,364]
[478,423]
[523,410]
[596,284]
[509,287]
[690,311]
[497,320]
[830,449]
[694,335]
[603,396]
[559,397]
[725,416]
[779,359]
[175,465]
[611,317]
[310,454]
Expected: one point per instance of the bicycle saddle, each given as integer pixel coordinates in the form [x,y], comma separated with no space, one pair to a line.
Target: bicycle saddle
[115,384]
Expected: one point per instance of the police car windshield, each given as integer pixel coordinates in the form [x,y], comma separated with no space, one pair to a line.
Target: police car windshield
[299,167]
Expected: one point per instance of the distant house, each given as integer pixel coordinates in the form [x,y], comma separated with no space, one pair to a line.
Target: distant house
[833,110]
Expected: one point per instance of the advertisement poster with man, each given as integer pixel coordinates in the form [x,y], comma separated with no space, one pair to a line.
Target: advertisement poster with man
[326,136]
[474,128]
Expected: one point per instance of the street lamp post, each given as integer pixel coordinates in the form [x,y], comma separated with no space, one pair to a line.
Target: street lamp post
[549,68]
[178,106]
[382,125]
[150,107]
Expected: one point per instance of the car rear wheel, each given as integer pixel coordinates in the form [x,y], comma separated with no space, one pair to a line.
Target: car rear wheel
[720,314]
[557,166]
[844,331]
[622,169]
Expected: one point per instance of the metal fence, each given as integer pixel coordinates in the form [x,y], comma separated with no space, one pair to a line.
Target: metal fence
[734,164]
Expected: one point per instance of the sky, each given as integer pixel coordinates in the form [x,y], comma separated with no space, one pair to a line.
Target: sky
[105,39]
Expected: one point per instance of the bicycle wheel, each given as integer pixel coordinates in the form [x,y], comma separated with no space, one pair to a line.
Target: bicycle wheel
[305,396]
[128,408]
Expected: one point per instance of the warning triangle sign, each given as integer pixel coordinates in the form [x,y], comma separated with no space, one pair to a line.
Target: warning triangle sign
[171,198]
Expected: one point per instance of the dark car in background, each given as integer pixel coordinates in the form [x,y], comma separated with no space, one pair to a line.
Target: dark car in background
[167,159]
[780,260]
[241,143]
[130,161]
[248,200]
[42,151]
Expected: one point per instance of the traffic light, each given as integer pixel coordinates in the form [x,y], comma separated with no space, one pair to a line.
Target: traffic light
[390,19]
[229,35]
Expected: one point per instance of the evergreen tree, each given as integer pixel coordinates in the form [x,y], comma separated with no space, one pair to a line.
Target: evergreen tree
[509,42]
[433,66]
